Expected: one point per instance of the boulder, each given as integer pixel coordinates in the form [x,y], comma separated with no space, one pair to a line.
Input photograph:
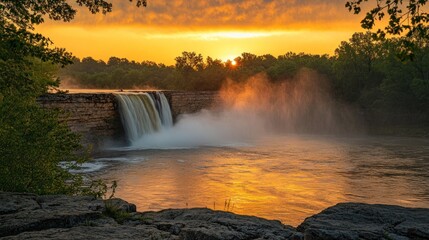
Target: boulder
[28,212]
[367,221]
[203,223]
[97,232]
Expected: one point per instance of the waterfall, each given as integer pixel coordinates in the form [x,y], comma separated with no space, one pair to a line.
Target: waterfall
[143,113]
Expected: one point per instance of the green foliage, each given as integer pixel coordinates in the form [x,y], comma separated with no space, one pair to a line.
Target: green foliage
[355,66]
[190,72]
[36,150]
[189,61]
[405,18]
[33,145]
[100,189]
[116,213]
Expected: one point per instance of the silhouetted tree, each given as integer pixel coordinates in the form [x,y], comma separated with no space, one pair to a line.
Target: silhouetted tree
[408,16]
[189,61]
[355,64]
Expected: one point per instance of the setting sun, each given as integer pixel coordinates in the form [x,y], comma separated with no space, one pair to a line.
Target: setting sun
[233,63]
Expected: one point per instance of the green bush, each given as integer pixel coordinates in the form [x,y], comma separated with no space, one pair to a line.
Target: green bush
[36,150]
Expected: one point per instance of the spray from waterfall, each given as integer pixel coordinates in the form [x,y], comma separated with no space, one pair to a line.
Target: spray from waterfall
[258,108]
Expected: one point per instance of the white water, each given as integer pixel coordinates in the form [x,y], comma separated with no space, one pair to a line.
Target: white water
[165,111]
[205,128]
[143,114]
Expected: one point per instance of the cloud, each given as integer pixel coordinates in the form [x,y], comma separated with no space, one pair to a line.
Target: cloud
[226,14]
[213,36]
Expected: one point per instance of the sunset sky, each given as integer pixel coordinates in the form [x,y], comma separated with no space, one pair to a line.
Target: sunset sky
[218,28]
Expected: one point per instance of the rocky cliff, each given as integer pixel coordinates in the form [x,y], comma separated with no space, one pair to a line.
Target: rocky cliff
[28,216]
[96,117]
[182,102]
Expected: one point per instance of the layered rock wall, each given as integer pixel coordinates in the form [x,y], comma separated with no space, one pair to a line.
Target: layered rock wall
[182,102]
[96,115]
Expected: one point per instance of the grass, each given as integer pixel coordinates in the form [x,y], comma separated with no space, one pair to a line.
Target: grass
[116,213]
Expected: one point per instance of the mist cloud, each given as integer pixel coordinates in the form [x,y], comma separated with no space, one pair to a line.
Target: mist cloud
[258,108]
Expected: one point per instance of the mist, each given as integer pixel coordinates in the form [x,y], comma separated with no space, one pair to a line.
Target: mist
[258,108]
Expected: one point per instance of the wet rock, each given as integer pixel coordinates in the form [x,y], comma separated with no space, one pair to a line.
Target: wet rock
[367,221]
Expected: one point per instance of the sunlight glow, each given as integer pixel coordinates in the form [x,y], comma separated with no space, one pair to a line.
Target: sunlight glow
[218,35]
[156,45]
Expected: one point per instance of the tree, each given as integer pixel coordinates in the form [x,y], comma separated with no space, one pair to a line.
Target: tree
[355,65]
[408,16]
[405,18]
[213,75]
[33,142]
[189,61]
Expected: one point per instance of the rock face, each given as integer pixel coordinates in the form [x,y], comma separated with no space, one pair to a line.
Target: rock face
[365,221]
[27,212]
[190,102]
[28,216]
[96,117]
[209,224]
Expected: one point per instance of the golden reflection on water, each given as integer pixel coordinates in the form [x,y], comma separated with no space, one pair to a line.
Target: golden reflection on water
[285,179]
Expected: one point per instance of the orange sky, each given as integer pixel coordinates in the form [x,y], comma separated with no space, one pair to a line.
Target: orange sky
[218,28]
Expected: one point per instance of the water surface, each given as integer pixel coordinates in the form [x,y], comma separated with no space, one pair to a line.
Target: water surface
[287,178]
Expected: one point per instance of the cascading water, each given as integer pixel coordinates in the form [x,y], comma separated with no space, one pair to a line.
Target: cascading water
[143,113]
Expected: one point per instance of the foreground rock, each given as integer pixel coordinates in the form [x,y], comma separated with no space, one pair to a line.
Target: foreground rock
[365,221]
[27,216]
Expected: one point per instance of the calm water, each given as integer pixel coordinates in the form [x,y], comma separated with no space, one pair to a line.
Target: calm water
[285,178]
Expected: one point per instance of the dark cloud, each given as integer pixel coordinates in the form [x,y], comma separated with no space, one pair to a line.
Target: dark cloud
[271,14]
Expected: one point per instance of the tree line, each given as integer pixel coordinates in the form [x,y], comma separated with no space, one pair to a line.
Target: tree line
[366,72]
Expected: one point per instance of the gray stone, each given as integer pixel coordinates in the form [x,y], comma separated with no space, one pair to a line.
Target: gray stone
[90,232]
[15,202]
[28,216]
[208,224]
[44,212]
[366,221]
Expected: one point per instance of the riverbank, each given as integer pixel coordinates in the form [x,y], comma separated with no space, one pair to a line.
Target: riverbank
[28,216]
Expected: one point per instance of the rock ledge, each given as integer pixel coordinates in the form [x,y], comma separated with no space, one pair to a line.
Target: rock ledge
[28,216]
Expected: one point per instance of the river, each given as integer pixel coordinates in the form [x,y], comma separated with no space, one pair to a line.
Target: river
[284,177]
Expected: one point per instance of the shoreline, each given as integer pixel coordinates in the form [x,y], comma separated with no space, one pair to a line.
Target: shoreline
[28,216]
